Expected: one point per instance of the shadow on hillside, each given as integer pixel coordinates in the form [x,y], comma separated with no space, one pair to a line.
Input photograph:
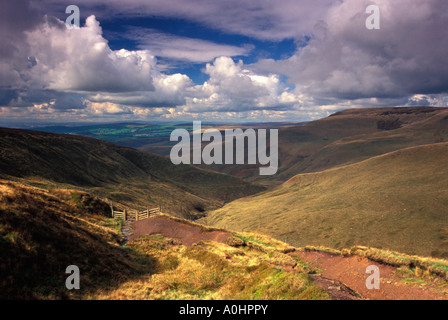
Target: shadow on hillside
[40,236]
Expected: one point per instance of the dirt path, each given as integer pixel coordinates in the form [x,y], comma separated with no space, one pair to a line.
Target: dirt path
[351,272]
[185,233]
[127,229]
[344,278]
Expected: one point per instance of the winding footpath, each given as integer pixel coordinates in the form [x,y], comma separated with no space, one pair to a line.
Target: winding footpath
[343,277]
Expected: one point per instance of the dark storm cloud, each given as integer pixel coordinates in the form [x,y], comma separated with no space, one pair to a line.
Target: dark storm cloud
[345,60]
[52,98]
[261,19]
[16,17]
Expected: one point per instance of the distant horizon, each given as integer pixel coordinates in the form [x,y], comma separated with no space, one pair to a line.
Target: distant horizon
[30,124]
[26,125]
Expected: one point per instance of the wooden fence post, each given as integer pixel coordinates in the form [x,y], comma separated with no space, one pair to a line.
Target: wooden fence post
[136,215]
[112,208]
[125,214]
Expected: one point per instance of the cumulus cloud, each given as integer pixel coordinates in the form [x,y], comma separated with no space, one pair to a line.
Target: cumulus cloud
[74,69]
[64,67]
[435,100]
[80,60]
[169,91]
[231,87]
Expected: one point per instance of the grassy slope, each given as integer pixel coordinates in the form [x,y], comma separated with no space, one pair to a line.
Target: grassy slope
[210,270]
[125,175]
[347,137]
[396,201]
[354,135]
[42,232]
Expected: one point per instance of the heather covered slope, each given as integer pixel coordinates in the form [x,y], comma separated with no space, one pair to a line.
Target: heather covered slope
[346,137]
[121,174]
[396,201]
[354,135]
[44,231]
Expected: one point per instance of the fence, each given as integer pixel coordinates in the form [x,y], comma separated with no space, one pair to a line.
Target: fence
[144,214]
[136,214]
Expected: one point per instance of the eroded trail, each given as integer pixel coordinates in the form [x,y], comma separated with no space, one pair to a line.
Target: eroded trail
[187,234]
[343,277]
[351,272]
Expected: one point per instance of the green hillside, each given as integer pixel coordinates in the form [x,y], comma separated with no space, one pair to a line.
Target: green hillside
[396,201]
[124,175]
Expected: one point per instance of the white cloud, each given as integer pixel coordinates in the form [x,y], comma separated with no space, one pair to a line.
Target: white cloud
[234,88]
[182,48]
[169,91]
[65,65]
[81,60]
[77,64]
[435,100]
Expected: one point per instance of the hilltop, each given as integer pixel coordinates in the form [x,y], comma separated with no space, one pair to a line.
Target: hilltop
[126,176]
[371,189]
[397,201]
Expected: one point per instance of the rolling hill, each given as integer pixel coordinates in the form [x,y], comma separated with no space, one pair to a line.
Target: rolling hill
[42,232]
[126,176]
[342,138]
[347,137]
[353,135]
[397,201]
[53,214]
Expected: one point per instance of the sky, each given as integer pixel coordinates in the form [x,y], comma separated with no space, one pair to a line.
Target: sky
[223,61]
